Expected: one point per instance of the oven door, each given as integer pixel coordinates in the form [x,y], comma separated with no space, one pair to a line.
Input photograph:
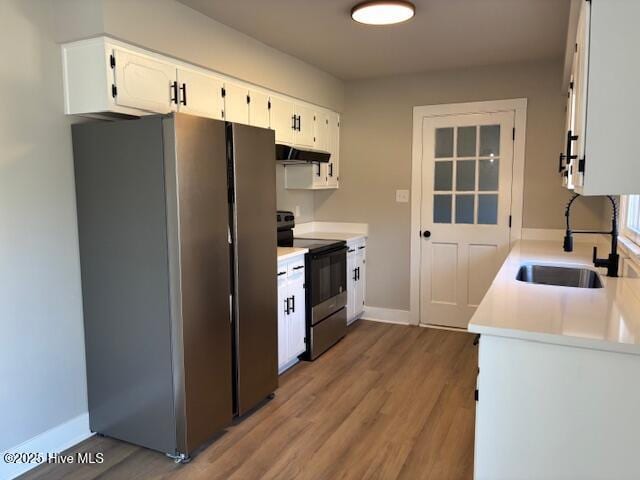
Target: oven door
[328,278]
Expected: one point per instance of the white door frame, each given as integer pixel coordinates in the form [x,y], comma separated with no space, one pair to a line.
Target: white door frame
[519,106]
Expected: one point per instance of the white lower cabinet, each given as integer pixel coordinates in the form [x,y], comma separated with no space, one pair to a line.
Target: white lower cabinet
[356,272]
[551,411]
[291,312]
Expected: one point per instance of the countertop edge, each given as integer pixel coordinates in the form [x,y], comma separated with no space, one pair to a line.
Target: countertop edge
[290,255]
[554,339]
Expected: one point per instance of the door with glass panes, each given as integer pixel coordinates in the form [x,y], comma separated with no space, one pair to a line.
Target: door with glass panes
[467,163]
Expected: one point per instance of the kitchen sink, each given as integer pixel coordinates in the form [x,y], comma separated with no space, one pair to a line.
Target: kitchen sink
[560,276]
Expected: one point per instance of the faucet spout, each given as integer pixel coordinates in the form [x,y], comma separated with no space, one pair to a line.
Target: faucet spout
[612,261]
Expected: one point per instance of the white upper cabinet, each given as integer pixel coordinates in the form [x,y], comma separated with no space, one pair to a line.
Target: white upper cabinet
[333,168]
[258,109]
[236,103]
[282,120]
[103,77]
[321,138]
[605,108]
[305,126]
[142,82]
[198,94]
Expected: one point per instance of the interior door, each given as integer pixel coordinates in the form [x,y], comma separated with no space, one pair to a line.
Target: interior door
[258,109]
[199,94]
[143,82]
[281,120]
[466,202]
[236,106]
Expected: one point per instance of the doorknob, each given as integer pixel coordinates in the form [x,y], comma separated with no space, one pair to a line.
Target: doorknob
[426,234]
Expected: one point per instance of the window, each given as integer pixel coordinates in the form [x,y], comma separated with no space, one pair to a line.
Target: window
[631,217]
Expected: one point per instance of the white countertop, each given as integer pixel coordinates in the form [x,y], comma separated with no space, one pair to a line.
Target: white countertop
[348,237]
[285,253]
[605,318]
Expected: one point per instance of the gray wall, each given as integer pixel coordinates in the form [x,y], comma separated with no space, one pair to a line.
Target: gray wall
[376,136]
[41,346]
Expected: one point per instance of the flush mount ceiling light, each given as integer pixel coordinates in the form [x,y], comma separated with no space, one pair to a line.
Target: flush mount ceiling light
[383,12]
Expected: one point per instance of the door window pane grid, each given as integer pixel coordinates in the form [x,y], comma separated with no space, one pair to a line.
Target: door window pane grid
[467,183]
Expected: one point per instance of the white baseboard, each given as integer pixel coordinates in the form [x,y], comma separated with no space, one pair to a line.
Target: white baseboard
[343,227]
[55,440]
[386,315]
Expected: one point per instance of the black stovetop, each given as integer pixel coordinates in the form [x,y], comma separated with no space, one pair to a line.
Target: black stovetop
[316,245]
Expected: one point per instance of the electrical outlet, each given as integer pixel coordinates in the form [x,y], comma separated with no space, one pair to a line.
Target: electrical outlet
[402,196]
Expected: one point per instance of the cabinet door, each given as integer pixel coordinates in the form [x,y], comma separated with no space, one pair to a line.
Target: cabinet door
[199,94]
[297,327]
[321,137]
[361,265]
[320,174]
[143,82]
[281,120]
[580,86]
[334,148]
[236,105]
[305,126]
[351,283]
[283,317]
[258,109]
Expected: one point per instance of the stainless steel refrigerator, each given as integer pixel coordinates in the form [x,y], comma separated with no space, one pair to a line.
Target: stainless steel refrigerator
[177,228]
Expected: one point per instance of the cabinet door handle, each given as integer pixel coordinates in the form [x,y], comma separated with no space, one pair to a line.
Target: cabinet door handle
[174,92]
[293,304]
[570,139]
[357,274]
[298,267]
[286,306]
[361,248]
[299,122]
[331,169]
[351,250]
[183,88]
[294,122]
[281,273]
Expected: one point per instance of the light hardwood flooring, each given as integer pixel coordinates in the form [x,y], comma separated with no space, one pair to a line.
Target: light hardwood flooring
[387,402]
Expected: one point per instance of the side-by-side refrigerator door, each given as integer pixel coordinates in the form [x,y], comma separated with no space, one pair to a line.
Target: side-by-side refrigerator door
[196,178]
[255,246]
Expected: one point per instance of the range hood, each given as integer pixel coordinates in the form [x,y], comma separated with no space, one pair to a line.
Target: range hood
[294,155]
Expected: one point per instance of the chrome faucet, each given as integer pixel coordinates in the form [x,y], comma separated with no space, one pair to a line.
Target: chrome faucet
[610,263]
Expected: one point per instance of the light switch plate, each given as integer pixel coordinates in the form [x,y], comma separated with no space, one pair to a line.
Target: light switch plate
[402,196]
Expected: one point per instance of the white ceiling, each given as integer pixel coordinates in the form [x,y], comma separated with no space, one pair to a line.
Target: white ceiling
[444,34]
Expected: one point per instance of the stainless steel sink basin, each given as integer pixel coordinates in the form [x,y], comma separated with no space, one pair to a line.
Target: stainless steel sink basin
[560,276]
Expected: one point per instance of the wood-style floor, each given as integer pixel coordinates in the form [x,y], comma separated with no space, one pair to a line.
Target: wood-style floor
[387,402]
